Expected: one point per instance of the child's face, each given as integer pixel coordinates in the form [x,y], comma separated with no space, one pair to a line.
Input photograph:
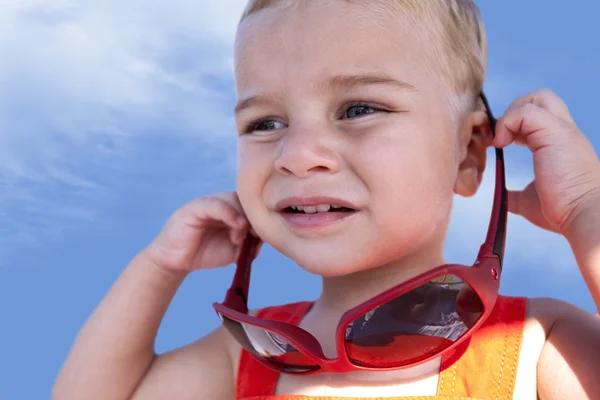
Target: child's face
[306,69]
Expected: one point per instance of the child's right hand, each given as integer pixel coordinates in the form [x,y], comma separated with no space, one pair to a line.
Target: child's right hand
[206,233]
[113,360]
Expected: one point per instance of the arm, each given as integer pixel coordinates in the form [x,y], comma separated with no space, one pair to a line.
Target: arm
[114,354]
[570,360]
[583,235]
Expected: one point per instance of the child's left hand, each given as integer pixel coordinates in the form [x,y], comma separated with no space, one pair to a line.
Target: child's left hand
[564,197]
[566,167]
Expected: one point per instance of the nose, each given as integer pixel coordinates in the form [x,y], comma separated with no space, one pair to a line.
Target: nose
[308,151]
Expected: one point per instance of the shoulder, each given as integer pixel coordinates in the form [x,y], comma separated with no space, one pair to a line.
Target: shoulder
[208,367]
[547,310]
[544,313]
[547,316]
[553,314]
[201,369]
[560,349]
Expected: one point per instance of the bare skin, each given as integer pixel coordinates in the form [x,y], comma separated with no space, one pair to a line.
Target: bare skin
[383,145]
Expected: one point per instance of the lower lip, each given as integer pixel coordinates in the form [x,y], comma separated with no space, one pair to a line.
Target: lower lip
[316,220]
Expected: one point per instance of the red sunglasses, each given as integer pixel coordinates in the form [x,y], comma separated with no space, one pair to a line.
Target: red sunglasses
[406,325]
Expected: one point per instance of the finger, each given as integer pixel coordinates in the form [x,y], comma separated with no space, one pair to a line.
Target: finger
[210,210]
[237,234]
[513,200]
[528,125]
[546,99]
[526,203]
[232,199]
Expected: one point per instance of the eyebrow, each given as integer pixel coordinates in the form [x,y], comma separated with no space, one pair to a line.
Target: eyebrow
[341,82]
[348,82]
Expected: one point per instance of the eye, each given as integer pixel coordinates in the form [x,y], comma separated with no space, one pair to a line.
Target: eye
[358,110]
[264,126]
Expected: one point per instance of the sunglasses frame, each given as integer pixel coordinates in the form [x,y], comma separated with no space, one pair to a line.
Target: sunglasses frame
[483,277]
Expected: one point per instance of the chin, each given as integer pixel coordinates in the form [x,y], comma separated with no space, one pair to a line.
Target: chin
[329,262]
[329,269]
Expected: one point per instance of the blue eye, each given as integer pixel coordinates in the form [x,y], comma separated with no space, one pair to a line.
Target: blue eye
[358,110]
[265,126]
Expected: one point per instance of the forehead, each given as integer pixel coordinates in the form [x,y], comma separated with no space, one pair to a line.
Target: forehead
[311,40]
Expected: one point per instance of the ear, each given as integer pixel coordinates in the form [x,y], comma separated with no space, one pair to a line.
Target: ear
[475,137]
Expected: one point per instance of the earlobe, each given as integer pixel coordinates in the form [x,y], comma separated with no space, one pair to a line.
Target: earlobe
[468,180]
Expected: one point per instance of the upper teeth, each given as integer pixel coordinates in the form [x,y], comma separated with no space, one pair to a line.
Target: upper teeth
[315,209]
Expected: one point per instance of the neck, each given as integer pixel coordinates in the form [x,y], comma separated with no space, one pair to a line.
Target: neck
[341,293]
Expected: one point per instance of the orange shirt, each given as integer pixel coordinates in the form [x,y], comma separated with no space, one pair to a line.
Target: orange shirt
[483,367]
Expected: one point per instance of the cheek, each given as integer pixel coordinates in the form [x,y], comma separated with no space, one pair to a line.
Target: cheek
[403,163]
[411,180]
[253,170]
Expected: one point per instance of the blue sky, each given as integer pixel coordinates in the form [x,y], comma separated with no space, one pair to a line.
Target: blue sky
[113,114]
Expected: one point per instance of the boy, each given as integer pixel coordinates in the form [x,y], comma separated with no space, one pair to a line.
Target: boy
[370,108]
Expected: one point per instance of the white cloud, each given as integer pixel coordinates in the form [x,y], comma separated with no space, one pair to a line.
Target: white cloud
[69,66]
[82,81]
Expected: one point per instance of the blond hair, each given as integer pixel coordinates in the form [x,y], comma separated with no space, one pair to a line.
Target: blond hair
[460,45]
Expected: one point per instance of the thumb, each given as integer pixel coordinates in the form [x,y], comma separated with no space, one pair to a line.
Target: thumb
[526,203]
[514,198]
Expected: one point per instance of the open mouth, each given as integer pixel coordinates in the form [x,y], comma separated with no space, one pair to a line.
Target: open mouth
[326,208]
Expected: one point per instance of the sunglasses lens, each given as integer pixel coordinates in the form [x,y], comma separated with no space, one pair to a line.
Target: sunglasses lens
[269,346]
[414,325]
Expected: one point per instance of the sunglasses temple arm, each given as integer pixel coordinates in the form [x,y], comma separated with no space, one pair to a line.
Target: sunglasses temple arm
[496,236]
[237,295]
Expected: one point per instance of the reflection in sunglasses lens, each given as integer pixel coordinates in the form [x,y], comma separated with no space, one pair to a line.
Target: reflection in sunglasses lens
[415,325]
[269,346]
